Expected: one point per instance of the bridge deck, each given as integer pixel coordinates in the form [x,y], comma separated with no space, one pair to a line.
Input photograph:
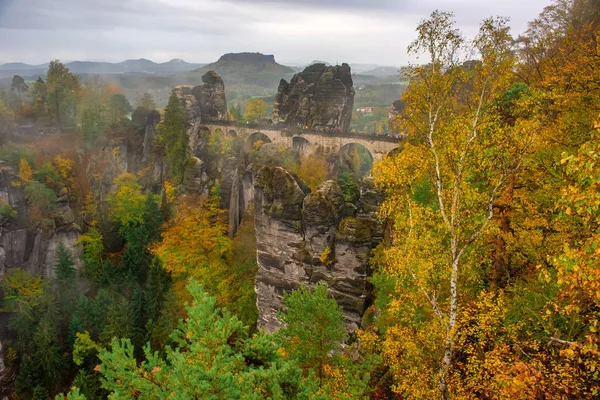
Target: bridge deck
[291,132]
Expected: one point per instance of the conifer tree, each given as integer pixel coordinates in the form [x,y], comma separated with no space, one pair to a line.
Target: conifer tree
[212,357]
[66,281]
[172,131]
[314,327]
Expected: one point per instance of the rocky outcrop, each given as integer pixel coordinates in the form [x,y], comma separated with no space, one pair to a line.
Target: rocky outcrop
[152,120]
[321,97]
[211,97]
[194,177]
[4,392]
[279,241]
[27,246]
[347,278]
[202,104]
[321,214]
[229,171]
[303,238]
[206,102]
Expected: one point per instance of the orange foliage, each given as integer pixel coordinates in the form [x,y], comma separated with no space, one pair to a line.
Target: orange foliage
[25,173]
[313,170]
[192,240]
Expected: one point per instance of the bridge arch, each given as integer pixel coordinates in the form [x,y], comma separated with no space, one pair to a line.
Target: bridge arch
[301,144]
[356,158]
[231,133]
[395,151]
[253,139]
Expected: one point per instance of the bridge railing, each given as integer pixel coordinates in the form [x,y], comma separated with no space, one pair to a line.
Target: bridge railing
[299,130]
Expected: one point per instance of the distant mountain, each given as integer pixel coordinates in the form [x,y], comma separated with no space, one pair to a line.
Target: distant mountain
[140,66]
[18,66]
[382,71]
[245,68]
[358,68]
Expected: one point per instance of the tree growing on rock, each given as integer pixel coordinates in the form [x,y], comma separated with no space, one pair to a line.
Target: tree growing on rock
[172,134]
[314,327]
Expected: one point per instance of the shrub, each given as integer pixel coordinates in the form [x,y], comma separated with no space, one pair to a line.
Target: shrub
[349,186]
[6,210]
[13,153]
[48,175]
[313,170]
[40,196]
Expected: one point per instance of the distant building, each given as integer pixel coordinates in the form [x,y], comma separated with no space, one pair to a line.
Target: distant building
[366,110]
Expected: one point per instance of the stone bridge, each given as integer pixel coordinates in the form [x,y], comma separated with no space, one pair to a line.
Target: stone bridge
[307,141]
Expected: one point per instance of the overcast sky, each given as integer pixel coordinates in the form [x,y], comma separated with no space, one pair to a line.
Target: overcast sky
[295,31]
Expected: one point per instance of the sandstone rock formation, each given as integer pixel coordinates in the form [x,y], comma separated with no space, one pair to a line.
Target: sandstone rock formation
[4,392]
[202,104]
[229,171]
[303,238]
[152,119]
[321,97]
[194,177]
[211,97]
[26,246]
[205,102]
[278,221]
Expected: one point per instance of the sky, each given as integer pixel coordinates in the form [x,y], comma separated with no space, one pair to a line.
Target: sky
[295,31]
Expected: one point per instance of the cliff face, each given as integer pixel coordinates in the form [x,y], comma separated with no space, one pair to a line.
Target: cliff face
[204,102]
[321,97]
[303,238]
[211,97]
[22,243]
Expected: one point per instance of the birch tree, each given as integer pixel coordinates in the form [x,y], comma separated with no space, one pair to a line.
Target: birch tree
[442,189]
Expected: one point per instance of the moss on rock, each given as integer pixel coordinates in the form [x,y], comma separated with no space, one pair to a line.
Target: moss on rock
[353,230]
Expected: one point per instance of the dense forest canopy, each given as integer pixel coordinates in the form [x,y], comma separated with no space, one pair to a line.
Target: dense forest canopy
[485,283]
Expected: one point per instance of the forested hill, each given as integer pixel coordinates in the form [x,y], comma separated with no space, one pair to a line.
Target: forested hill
[247,69]
[148,253]
[140,66]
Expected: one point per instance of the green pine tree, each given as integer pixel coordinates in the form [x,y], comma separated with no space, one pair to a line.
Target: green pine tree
[211,357]
[66,281]
[314,327]
[172,131]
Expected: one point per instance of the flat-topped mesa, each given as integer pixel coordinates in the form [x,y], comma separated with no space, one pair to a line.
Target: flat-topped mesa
[248,57]
[320,97]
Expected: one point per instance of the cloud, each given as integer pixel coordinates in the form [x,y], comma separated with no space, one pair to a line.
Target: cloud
[373,31]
